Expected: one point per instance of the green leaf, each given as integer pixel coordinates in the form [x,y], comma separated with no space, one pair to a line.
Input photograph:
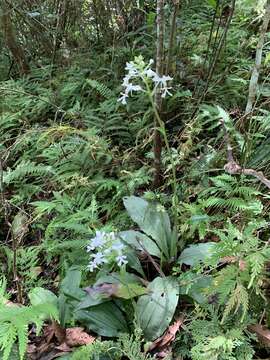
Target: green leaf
[70,286]
[197,289]
[126,286]
[151,18]
[156,309]
[129,291]
[70,294]
[212,3]
[40,296]
[105,319]
[195,254]
[92,300]
[140,242]
[153,220]
[134,262]
[19,225]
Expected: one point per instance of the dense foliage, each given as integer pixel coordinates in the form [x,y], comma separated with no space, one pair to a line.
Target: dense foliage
[134,193]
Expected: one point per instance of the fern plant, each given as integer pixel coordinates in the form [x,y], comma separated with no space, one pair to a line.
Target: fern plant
[14,321]
[230,194]
[211,341]
[127,346]
[236,265]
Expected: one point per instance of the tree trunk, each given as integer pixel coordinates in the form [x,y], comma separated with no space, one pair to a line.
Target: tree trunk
[172,35]
[253,84]
[10,39]
[158,98]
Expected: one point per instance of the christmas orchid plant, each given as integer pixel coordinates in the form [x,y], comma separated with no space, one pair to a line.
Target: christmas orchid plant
[140,77]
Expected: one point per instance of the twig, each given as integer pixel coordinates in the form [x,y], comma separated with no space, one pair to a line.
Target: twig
[151,259]
[233,168]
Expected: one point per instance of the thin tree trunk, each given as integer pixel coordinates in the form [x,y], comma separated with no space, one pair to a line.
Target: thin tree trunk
[10,39]
[253,84]
[220,45]
[36,28]
[172,35]
[158,98]
[60,28]
[216,55]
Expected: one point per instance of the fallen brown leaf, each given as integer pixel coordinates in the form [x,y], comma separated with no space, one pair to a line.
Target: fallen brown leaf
[77,337]
[11,303]
[31,349]
[167,338]
[164,353]
[63,347]
[262,333]
[105,289]
[232,260]
[57,341]
[242,265]
[229,259]
[54,330]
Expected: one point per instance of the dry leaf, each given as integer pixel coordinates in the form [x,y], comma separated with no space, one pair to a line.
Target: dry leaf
[164,353]
[166,339]
[63,347]
[77,337]
[11,303]
[229,259]
[242,265]
[54,330]
[262,333]
[31,349]
[103,289]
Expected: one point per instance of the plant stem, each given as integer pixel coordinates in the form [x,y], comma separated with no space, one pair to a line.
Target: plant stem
[161,129]
[158,100]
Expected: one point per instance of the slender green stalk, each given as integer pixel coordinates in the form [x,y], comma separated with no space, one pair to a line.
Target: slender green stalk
[162,129]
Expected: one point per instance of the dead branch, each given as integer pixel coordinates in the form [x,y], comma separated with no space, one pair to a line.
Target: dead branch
[233,168]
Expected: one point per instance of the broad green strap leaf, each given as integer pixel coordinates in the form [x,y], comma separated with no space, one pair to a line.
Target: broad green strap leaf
[70,286]
[156,309]
[197,253]
[70,294]
[140,241]
[197,288]
[127,286]
[152,219]
[105,319]
[134,262]
[40,296]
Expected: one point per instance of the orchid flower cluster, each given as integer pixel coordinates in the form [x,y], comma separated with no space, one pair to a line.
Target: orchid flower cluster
[138,70]
[106,248]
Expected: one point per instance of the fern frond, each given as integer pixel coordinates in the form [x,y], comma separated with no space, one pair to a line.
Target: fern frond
[256,262]
[14,323]
[22,333]
[8,335]
[26,169]
[232,203]
[101,88]
[93,350]
[239,298]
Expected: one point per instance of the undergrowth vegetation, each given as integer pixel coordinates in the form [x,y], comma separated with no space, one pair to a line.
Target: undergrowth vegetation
[134,199]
